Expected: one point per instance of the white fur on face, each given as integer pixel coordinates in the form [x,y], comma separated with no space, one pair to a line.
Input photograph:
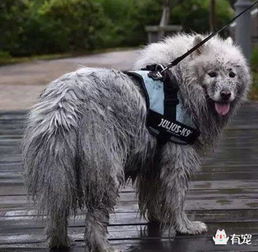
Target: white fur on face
[220,79]
[220,69]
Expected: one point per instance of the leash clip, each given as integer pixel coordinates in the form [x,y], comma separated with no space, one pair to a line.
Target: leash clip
[156,72]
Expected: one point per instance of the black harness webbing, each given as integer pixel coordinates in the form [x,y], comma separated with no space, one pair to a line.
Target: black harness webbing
[170,91]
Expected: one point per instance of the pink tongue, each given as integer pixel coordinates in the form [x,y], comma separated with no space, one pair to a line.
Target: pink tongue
[222,109]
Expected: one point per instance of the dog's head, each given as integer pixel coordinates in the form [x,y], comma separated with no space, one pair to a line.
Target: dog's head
[222,73]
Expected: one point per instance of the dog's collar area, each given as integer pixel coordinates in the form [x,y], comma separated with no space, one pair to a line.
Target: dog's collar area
[167,119]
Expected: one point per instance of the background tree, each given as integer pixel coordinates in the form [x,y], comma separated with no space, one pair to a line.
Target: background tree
[212,15]
[30,27]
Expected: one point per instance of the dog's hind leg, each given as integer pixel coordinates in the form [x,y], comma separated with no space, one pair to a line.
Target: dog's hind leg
[96,221]
[96,230]
[100,201]
[150,198]
[148,194]
[101,175]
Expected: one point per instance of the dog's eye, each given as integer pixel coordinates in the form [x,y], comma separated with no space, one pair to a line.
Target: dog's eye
[232,74]
[212,74]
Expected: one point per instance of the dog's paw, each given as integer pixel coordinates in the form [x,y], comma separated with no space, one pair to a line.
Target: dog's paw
[192,227]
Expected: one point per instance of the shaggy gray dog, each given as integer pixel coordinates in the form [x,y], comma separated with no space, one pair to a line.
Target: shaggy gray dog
[88,134]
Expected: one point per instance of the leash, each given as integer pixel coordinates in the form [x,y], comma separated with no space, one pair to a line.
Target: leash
[180,58]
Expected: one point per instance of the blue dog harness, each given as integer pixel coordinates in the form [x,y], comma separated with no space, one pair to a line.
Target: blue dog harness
[167,119]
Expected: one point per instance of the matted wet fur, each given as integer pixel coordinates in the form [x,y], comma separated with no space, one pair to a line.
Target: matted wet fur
[87,135]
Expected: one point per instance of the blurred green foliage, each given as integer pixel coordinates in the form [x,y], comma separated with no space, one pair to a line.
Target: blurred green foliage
[193,15]
[37,27]
[254,59]
[254,66]
[30,27]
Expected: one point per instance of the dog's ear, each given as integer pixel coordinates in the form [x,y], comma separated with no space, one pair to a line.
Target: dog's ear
[229,41]
[196,41]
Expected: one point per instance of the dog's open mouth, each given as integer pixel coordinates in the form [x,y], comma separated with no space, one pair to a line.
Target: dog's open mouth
[222,108]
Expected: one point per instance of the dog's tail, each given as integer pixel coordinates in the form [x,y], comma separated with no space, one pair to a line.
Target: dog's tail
[50,147]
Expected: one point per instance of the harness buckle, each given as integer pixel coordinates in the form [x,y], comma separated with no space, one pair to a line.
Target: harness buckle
[155,71]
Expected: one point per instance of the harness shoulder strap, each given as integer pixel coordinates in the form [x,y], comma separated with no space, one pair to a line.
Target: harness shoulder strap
[170,95]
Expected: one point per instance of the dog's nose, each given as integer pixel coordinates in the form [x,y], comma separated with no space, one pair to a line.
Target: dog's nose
[225,95]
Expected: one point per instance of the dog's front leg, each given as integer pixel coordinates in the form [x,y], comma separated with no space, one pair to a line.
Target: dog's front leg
[178,162]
